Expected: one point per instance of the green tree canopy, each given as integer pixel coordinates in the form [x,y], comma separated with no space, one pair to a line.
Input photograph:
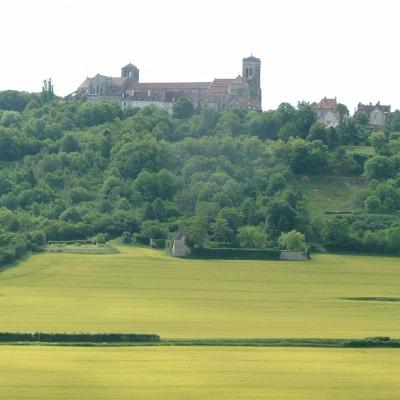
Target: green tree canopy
[293,240]
[183,108]
[252,237]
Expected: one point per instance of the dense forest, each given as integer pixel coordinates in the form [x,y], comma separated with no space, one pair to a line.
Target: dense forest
[72,170]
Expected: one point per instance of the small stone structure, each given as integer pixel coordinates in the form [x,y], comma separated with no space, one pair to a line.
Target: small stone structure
[179,248]
[293,256]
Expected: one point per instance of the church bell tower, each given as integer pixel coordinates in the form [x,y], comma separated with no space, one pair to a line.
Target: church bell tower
[130,72]
[252,75]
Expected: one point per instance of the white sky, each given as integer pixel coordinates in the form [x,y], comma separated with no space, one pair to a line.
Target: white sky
[309,48]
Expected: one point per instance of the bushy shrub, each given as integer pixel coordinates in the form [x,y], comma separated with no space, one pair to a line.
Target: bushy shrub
[372,204]
[252,237]
[126,238]
[293,241]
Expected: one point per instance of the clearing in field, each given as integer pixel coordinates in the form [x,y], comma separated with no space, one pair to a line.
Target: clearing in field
[143,290]
[191,373]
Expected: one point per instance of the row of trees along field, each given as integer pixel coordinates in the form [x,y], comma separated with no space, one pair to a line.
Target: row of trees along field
[72,170]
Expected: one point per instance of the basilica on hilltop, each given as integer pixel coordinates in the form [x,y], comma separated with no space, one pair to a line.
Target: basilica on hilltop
[244,91]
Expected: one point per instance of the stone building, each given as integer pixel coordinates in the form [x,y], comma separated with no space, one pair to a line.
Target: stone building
[179,248]
[327,112]
[378,115]
[251,73]
[221,94]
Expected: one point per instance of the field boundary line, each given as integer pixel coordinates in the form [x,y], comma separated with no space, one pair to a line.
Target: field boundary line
[374,342]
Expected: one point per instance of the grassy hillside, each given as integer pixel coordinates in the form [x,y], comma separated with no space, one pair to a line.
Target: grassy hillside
[330,193]
[334,193]
[143,290]
[49,373]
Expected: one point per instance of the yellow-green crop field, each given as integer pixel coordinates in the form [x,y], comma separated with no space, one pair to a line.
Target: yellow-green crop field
[191,373]
[143,290]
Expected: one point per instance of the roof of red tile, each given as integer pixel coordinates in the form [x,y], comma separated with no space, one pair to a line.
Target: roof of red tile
[328,103]
[167,85]
[217,86]
[118,80]
[225,82]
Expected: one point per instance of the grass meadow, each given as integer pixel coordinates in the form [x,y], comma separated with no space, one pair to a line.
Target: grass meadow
[143,290]
[191,373]
[330,193]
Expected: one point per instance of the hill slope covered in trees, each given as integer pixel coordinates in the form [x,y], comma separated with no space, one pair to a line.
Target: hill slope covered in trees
[71,170]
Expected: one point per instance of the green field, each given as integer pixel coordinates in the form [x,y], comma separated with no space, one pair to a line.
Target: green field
[144,290]
[176,373]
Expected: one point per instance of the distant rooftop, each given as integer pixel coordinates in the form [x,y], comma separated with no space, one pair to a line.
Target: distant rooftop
[167,85]
[251,58]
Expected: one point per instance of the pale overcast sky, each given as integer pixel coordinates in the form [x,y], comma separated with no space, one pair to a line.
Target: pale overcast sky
[309,48]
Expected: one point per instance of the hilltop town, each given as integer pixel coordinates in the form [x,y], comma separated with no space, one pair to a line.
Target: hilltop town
[243,92]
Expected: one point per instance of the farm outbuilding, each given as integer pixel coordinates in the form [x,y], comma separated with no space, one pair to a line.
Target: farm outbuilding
[179,248]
